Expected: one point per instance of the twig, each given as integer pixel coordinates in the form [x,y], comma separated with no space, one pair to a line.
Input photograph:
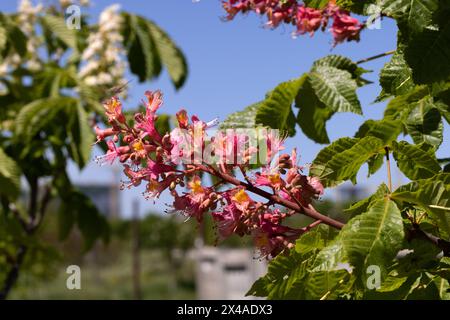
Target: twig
[388,163]
[309,211]
[387,53]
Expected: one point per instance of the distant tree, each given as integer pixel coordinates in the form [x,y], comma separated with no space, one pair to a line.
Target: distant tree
[52,79]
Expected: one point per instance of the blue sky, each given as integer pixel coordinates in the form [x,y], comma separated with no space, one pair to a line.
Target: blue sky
[233,64]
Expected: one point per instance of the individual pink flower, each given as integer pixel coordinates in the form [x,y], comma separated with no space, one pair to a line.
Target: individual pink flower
[104,133]
[111,155]
[195,203]
[241,199]
[146,122]
[113,110]
[227,220]
[269,179]
[308,20]
[344,27]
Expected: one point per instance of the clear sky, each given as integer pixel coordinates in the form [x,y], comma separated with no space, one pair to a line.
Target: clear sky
[233,64]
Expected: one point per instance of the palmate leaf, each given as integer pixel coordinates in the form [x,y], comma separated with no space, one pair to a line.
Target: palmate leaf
[432,195]
[396,76]
[424,123]
[9,176]
[171,56]
[371,238]
[149,48]
[142,55]
[415,162]
[342,159]
[335,88]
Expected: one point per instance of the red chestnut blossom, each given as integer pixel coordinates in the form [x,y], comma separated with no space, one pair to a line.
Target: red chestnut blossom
[305,19]
[344,27]
[173,161]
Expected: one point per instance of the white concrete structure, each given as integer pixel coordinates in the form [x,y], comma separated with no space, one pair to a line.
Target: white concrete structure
[225,274]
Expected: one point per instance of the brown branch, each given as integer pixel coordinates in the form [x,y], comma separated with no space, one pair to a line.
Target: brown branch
[309,210]
[387,53]
[13,274]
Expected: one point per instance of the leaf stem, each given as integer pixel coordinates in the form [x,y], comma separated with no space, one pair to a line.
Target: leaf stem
[388,163]
[387,53]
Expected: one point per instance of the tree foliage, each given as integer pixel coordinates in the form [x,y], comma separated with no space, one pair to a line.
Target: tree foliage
[51,87]
[403,232]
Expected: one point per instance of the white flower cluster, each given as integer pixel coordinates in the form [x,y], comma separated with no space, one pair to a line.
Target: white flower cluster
[104,57]
[27,15]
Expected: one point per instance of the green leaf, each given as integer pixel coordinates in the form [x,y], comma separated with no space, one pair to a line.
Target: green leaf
[371,238]
[443,287]
[364,205]
[81,135]
[9,176]
[424,123]
[66,220]
[276,110]
[335,88]
[313,114]
[386,130]
[416,14]
[342,159]
[162,124]
[318,4]
[241,119]
[396,76]
[287,274]
[36,115]
[428,52]
[432,195]
[80,209]
[400,107]
[414,162]
[171,56]
[342,63]
[142,55]
[374,164]
[58,26]
[16,39]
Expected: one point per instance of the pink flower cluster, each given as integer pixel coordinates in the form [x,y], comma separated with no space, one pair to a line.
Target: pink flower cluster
[150,157]
[305,19]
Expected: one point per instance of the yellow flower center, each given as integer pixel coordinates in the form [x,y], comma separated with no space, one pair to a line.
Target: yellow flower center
[196,185]
[138,146]
[241,197]
[274,179]
[112,105]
